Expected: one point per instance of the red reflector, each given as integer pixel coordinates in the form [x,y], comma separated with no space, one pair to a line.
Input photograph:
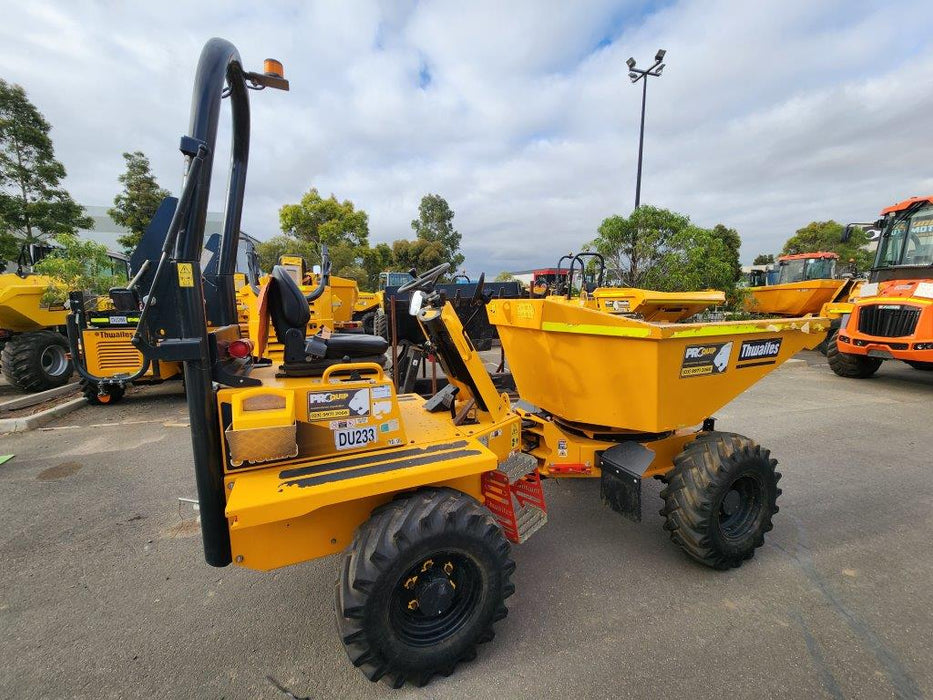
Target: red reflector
[240,348]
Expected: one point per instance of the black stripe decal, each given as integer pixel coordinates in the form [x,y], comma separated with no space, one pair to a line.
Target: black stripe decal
[379,468]
[370,458]
[756,364]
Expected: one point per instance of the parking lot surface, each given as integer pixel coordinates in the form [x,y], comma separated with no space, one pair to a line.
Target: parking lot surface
[104,591]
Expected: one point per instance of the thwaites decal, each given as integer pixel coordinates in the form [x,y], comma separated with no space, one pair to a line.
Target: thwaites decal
[327,405]
[755,353]
[704,360]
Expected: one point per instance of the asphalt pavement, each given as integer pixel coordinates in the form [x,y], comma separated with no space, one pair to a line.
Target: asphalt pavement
[104,592]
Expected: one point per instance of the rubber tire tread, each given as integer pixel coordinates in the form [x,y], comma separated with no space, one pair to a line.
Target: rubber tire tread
[381,325]
[392,530]
[850,366]
[699,470]
[22,361]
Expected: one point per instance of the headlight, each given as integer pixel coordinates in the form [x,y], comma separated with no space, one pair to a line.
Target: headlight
[925,290]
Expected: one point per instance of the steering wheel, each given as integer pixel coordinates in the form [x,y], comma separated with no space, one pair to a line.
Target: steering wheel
[426,281]
[477,299]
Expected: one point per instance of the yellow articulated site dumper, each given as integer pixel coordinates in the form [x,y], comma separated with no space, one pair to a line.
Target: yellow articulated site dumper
[422,499]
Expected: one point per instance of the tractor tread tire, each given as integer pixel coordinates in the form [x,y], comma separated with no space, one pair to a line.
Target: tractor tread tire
[382,548]
[92,394]
[22,361]
[368,323]
[702,471]
[847,365]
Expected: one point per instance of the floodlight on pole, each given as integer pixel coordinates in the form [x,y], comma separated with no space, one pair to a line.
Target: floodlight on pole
[636,74]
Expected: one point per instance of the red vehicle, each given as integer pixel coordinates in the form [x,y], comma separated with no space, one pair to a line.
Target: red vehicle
[892,318]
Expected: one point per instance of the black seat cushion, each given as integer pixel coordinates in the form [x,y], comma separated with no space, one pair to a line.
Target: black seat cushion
[355,345]
[287,304]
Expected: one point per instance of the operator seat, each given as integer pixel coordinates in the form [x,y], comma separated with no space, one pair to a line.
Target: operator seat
[288,308]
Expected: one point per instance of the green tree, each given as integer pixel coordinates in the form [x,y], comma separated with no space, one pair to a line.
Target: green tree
[693,258]
[135,206]
[318,221]
[435,225]
[375,260]
[633,245]
[505,277]
[733,242]
[763,259]
[77,265]
[418,254]
[33,205]
[827,236]
[270,251]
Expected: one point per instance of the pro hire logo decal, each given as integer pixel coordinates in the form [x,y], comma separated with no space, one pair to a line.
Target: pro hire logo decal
[704,360]
[755,353]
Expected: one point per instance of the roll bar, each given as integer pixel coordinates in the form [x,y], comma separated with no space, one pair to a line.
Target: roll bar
[173,322]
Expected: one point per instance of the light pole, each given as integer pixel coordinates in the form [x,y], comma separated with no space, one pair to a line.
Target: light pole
[637,74]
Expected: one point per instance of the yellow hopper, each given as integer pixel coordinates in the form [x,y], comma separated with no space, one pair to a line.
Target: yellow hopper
[589,367]
[667,307]
[793,298]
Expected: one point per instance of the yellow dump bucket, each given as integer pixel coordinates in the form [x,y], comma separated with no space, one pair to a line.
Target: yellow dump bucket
[587,366]
[793,298]
[668,307]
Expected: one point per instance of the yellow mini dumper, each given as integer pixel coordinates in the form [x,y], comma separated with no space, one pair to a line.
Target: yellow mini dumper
[422,498]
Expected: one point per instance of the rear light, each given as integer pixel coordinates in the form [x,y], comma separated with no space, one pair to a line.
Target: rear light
[844,339]
[240,349]
[923,346]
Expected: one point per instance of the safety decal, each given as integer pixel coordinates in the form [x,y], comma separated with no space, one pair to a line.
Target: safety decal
[185,275]
[704,360]
[324,405]
[755,353]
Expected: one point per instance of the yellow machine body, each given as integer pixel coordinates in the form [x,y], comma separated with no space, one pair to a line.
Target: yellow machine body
[367,301]
[650,305]
[109,352]
[343,294]
[597,369]
[21,307]
[341,446]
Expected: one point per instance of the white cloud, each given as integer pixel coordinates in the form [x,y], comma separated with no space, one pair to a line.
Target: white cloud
[769,114]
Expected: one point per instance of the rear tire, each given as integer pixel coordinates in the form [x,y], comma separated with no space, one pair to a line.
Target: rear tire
[922,366]
[720,499]
[111,395]
[421,586]
[37,361]
[368,321]
[381,324]
[847,365]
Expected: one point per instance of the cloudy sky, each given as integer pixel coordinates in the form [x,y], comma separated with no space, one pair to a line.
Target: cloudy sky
[769,114]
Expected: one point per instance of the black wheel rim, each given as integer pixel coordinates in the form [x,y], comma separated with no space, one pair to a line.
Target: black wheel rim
[435,598]
[741,507]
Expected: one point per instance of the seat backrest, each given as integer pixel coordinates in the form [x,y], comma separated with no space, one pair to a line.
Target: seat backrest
[287,304]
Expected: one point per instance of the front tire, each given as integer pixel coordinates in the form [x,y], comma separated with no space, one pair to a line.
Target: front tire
[93,395]
[381,324]
[922,366]
[720,499]
[421,586]
[847,365]
[37,361]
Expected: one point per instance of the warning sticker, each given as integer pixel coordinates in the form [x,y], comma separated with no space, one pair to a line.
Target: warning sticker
[381,391]
[323,405]
[185,275]
[703,360]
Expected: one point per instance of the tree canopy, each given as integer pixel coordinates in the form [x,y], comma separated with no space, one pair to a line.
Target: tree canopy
[318,221]
[33,205]
[77,264]
[135,206]
[659,249]
[435,225]
[827,236]
[763,259]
